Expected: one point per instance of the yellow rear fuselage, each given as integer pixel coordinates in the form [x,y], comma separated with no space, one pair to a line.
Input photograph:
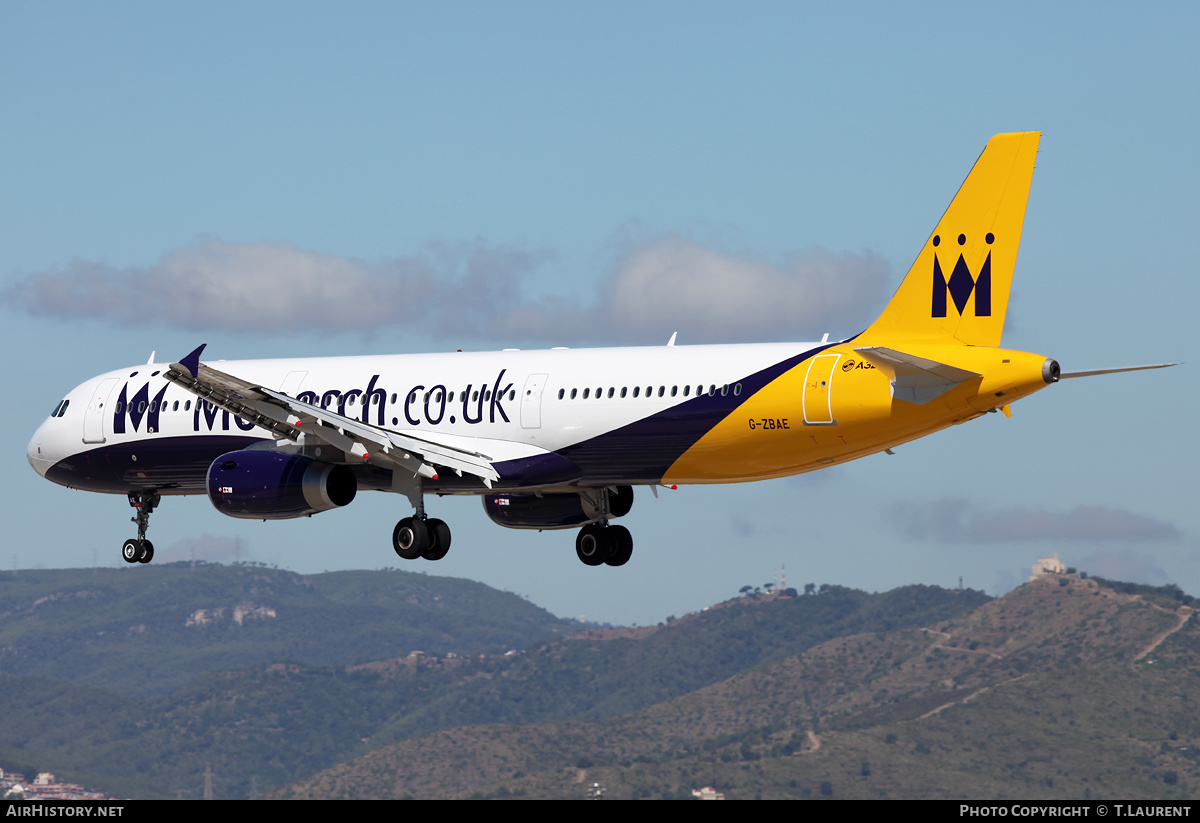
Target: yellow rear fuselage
[837,406]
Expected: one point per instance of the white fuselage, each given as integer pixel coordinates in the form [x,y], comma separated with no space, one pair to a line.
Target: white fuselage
[507,404]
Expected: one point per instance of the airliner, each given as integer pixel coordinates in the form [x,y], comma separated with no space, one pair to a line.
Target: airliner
[558,439]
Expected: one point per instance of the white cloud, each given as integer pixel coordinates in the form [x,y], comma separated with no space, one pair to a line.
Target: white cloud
[676,284]
[262,287]
[469,290]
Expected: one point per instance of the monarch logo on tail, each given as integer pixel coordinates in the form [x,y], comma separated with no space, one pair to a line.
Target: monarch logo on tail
[958,287]
[962,283]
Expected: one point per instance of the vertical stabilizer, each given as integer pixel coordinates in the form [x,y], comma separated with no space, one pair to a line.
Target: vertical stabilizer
[958,287]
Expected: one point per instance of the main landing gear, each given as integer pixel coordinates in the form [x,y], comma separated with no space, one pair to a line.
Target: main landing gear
[601,544]
[421,536]
[598,544]
[141,550]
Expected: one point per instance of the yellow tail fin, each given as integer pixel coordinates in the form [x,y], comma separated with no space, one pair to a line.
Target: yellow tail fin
[958,287]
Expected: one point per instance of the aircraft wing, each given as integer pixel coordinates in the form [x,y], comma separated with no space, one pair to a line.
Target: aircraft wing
[291,418]
[915,379]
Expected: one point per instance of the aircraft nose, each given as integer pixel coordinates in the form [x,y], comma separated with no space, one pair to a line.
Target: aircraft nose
[36,452]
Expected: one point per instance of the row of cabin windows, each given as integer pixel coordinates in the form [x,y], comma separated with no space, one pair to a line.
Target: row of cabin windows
[662,391]
[153,405]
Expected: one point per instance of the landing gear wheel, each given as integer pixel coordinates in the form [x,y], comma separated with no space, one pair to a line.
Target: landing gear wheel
[439,539]
[593,545]
[410,538]
[622,546]
[141,550]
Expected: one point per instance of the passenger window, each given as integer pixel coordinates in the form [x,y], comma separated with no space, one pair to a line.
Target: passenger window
[687,390]
[585,393]
[635,390]
[737,389]
[610,393]
[575,390]
[674,390]
[393,398]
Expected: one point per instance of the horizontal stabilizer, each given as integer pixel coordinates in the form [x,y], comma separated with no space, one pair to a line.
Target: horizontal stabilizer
[1093,372]
[915,379]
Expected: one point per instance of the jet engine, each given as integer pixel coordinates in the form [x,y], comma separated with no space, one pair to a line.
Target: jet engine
[262,485]
[554,510]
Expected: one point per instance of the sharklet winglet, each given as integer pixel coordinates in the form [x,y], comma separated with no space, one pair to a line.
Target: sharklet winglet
[191,363]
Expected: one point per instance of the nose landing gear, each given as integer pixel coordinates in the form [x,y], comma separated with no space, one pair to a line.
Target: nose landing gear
[141,550]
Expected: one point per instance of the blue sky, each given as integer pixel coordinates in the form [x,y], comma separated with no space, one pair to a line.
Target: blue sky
[305,179]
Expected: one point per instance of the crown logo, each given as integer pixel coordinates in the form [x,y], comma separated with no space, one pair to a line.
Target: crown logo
[962,283]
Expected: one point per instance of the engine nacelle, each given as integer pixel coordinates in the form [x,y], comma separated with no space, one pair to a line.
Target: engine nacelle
[558,510]
[262,485]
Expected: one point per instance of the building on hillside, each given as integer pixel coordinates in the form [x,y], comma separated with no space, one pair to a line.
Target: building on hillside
[1047,565]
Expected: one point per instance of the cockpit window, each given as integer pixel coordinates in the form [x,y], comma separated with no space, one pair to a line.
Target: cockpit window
[60,409]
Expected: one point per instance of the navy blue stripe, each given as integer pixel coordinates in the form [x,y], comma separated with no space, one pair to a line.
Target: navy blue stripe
[643,451]
[170,465]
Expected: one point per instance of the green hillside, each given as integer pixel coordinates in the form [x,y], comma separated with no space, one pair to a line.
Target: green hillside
[1062,689]
[267,724]
[148,630]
